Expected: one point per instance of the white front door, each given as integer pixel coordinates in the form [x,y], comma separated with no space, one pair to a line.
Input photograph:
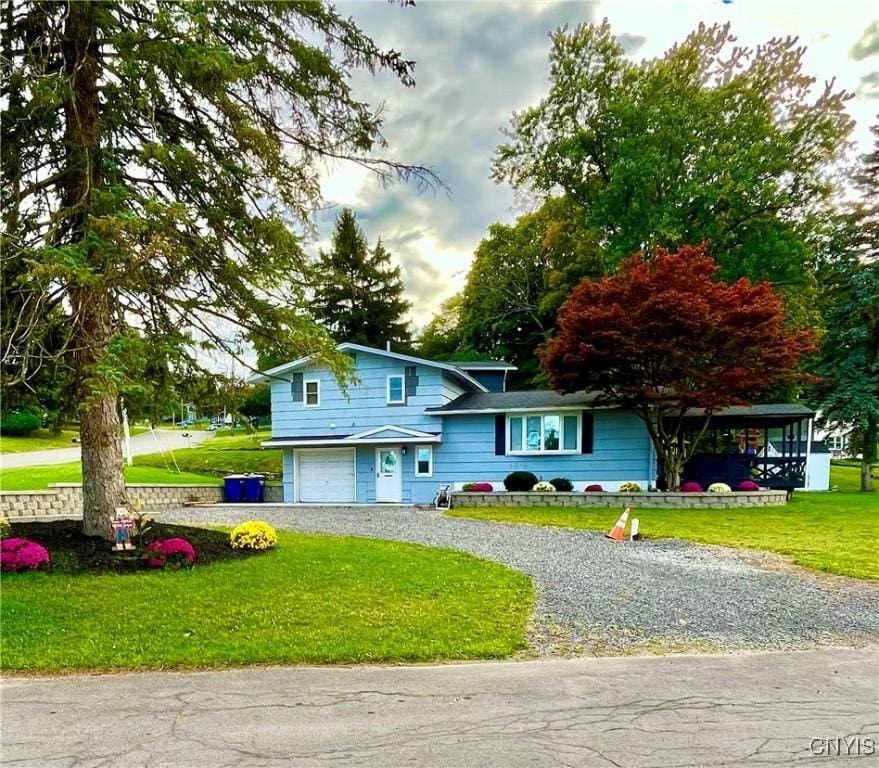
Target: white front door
[388,474]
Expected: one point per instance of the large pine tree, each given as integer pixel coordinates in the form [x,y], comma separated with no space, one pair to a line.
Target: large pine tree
[154,156]
[359,293]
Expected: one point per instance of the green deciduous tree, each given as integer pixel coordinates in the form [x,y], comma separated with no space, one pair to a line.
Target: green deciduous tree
[711,142]
[155,158]
[358,294]
[440,339]
[520,276]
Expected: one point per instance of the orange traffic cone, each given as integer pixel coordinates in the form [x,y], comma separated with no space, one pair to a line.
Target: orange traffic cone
[619,530]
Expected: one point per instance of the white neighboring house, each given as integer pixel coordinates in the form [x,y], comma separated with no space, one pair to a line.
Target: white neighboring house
[817,464]
[836,440]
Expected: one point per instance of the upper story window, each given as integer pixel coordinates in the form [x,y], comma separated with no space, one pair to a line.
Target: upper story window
[312,393]
[543,433]
[396,390]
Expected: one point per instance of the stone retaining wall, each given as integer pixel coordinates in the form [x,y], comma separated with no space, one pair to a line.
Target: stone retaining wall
[65,499]
[635,500]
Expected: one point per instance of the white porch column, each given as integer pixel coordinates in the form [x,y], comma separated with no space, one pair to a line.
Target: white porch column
[809,456]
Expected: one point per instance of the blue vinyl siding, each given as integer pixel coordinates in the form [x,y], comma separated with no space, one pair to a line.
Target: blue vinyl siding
[621,448]
[493,381]
[366,406]
[621,451]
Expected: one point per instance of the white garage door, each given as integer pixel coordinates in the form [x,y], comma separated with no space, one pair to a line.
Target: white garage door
[326,476]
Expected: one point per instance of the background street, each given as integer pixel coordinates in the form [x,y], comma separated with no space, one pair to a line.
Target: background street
[161,439]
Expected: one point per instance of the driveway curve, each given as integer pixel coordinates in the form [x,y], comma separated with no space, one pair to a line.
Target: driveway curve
[604,597]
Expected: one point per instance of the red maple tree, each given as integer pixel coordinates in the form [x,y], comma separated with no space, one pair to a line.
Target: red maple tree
[664,335]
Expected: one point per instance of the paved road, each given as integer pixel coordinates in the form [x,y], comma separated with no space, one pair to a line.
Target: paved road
[734,710]
[602,597]
[140,444]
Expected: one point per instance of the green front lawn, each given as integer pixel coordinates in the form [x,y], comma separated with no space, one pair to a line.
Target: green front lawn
[208,460]
[39,440]
[845,475]
[223,454]
[38,478]
[833,532]
[315,599]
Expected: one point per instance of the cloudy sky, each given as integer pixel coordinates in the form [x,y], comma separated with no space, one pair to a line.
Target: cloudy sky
[478,61]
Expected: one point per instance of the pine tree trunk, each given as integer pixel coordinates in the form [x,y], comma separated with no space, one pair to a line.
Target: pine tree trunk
[103,483]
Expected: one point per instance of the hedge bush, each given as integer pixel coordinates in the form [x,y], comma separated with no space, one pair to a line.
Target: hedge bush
[594,488]
[520,481]
[562,484]
[20,423]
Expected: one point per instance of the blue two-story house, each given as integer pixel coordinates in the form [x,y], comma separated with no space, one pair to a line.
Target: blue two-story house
[409,425]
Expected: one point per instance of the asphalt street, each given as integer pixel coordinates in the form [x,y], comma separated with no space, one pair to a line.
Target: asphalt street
[752,709]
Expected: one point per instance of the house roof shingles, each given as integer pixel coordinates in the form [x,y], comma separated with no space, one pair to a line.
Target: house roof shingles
[475,402]
[516,400]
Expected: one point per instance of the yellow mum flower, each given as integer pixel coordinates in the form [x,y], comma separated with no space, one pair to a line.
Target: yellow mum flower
[254,534]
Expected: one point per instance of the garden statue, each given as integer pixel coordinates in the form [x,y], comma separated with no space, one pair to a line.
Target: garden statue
[122,526]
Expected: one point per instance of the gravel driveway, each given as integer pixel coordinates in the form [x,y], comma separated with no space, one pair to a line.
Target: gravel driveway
[599,596]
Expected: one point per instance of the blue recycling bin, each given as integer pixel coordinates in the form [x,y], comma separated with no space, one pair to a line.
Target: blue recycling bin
[254,489]
[233,486]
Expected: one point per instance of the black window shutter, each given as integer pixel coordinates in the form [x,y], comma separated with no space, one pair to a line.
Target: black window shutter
[296,387]
[411,382]
[500,435]
[587,422]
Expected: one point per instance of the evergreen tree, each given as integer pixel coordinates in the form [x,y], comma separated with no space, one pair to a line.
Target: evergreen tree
[848,394]
[154,155]
[359,294]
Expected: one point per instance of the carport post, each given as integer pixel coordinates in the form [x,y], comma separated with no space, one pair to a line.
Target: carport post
[808,454]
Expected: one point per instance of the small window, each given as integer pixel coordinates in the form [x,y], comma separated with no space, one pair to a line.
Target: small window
[312,393]
[423,461]
[396,390]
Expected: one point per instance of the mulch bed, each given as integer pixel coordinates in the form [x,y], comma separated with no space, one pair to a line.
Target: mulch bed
[73,552]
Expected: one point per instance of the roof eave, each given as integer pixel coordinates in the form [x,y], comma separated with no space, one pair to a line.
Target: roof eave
[343,442]
[347,345]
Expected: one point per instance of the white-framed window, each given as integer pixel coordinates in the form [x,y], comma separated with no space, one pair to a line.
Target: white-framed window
[396,389]
[311,387]
[423,461]
[549,432]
